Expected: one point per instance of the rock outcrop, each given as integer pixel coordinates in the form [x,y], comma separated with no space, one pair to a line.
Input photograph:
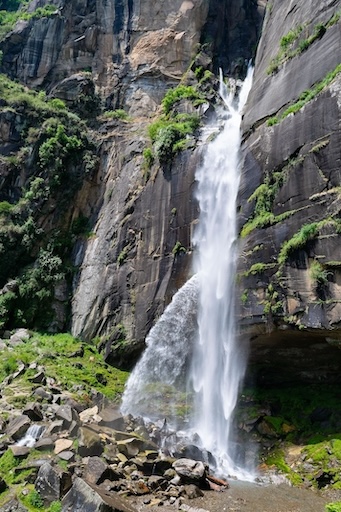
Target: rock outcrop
[289,204]
[100,56]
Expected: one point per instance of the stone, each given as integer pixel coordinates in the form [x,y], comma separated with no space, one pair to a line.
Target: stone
[67,455]
[67,414]
[33,411]
[88,414]
[84,498]
[112,417]
[44,443]
[96,471]
[90,443]
[20,451]
[189,470]
[48,483]
[18,427]
[193,491]
[157,482]
[38,378]
[13,506]
[61,445]
[42,394]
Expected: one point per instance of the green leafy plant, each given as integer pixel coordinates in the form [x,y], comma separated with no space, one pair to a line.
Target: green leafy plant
[298,241]
[178,248]
[333,507]
[116,114]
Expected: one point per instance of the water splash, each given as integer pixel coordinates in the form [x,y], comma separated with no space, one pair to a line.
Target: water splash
[157,386]
[218,364]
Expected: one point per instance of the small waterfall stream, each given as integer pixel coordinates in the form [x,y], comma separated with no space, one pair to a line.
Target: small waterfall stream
[197,329]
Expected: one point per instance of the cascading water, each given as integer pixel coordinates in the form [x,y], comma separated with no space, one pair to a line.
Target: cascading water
[218,364]
[196,333]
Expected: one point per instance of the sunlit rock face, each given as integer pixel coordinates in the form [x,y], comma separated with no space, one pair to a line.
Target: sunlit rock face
[127,53]
[289,203]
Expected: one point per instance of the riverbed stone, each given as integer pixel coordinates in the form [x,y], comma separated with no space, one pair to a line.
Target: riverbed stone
[18,427]
[189,470]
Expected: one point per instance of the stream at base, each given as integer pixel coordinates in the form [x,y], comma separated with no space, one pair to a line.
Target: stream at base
[250,497]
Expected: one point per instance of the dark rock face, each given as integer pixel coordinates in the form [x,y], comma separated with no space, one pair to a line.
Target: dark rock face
[126,55]
[289,206]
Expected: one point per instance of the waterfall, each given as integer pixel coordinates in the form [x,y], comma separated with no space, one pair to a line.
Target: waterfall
[218,363]
[33,433]
[192,363]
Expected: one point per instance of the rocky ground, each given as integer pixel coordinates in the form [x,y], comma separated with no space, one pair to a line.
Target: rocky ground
[63,452]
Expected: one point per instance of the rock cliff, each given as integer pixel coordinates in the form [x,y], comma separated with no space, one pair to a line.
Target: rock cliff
[289,202]
[99,58]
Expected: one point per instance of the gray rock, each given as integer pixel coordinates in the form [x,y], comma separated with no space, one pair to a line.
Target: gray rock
[90,443]
[189,470]
[84,498]
[96,471]
[67,414]
[33,411]
[18,427]
[48,483]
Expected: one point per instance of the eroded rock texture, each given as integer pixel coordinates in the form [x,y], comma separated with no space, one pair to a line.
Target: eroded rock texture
[289,197]
[125,54]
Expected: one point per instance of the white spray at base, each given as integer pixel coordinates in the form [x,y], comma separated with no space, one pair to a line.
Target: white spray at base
[196,333]
[218,363]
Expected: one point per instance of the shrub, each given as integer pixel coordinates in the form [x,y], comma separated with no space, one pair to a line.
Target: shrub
[178,248]
[116,114]
[333,507]
[298,241]
[35,499]
[179,93]
[148,158]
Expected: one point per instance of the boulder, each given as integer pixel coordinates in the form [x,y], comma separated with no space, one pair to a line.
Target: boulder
[18,427]
[52,483]
[85,498]
[190,471]
[48,483]
[112,417]
[67,414]
[33,411]
[13,506]
[20,451]
[90,443]
[97,471]
[62,445]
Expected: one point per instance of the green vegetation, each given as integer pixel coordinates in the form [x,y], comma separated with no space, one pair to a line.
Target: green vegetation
[292,43]
[264,197]
[258,268]
[8,18]
[122,256]
[181,92]
[170,132]
[318,273]
[334,507]
[55,142]
[298,241]
[67,360]
[116,114]
[306,96]
[178,248]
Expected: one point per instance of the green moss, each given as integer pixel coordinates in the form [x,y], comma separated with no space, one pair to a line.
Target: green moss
[318,273]
[8,18]
[258,268]
[178,248]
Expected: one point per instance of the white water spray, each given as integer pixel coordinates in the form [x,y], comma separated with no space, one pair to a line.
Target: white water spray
[218,363]
[197,330]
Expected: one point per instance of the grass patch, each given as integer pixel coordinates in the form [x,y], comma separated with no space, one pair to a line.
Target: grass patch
[68,361]
[8,18]
[306,96]
[298,241]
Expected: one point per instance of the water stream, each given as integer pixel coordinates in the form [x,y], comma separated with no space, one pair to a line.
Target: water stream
[192,363]
[218,363]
